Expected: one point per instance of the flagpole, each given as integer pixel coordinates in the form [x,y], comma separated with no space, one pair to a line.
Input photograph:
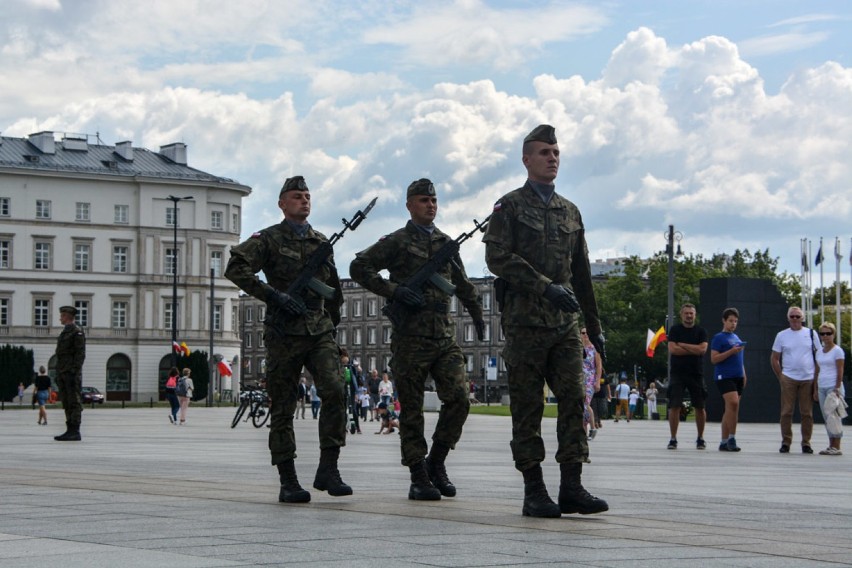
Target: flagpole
[803,250]
[810,300]
[837,256]
[821,259]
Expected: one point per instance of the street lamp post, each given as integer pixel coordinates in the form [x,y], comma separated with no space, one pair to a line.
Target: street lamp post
[672,237]
[175,200]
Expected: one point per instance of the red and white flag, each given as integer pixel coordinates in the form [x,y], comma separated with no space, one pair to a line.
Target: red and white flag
[224,368]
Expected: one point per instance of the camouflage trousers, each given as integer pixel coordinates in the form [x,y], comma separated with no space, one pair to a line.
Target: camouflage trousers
[70,394]
[319,355]
[414,359]
[535,357]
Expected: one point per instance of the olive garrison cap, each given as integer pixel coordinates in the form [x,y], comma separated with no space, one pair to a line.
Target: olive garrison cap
[68,310]
[293,183]
[542,133]
[422,186]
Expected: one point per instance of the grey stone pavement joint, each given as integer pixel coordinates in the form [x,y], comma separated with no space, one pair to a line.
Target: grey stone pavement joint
[139,492]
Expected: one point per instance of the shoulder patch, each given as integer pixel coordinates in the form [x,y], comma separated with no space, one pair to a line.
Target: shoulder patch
[497,206]
[383,237]
[255,235]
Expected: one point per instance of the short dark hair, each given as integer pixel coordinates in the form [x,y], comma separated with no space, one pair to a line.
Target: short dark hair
[730,312]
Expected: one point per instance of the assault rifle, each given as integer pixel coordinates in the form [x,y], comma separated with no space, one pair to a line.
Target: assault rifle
[307,280]
[397,312]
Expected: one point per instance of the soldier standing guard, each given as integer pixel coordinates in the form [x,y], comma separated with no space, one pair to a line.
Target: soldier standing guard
[70,354]
[424,343]
[304,339]
[536,245]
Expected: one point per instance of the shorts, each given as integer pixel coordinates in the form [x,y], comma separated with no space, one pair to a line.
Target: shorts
[42,396]
[730,385]
[694,384]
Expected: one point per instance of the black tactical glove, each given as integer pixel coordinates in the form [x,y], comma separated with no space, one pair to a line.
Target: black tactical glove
[292,305]
[598,341]
[562,298]
[480,329]
[407,297]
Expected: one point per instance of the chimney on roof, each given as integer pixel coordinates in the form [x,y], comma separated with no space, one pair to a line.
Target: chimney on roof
[44,142]
[75,143]
[125,150]
[175,152]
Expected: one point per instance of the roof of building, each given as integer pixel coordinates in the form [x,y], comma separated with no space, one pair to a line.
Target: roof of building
[76,155]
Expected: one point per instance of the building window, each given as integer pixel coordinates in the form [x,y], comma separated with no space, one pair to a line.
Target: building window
[5,254]
[170,262]
[468,363]
[172,215]
[248,366]
[4,311]
[486,301]
[386,362]
[119,259]
[42,209]
[454,305]
[372,307]
[216,263]
[249,314]
[217,317]
[82,312]
[5,207]
[122,214]
[469,332]
[249,340]
[386,334]
[41,313]
[501,335]
[260,339]
[216,220]
[234,320]
[356,336]
[486,335]
[261,313]
[235,223]
[342,336]
[371,335]
[168,312]
[344,309]
[42,256]
[83,212]
[356,308]
[119,315]
[81,257]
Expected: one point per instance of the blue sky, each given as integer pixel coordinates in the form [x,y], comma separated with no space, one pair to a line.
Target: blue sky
[732,120]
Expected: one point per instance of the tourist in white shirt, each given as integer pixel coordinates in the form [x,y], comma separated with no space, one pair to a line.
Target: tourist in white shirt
[829,378]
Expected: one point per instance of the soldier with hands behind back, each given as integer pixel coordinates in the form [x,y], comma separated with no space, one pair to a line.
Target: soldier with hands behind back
[70,354]
[424,339]
[304,339]
[535,244]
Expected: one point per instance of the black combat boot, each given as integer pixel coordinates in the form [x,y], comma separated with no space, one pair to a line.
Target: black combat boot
[421,488]
[573,498]
[436,470]
[328,477]
[72,434]
[291,491]
[537,503]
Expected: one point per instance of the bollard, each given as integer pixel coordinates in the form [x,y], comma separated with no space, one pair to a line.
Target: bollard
[122,405]
[152,402]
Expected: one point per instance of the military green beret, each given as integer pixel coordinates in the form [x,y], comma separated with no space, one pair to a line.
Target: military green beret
[68,310]
[542,133]
[293,183]
[422,186]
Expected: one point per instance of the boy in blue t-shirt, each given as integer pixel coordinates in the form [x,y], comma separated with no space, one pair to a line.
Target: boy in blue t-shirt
[726,353]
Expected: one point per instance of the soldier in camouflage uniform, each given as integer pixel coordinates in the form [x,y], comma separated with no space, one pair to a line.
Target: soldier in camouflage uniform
[70,354]
[304,338]
[425,342]
[536,245]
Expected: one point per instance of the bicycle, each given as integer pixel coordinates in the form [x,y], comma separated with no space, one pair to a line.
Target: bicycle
[255,401]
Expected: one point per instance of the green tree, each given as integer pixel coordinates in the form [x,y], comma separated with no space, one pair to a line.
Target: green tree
[18,365]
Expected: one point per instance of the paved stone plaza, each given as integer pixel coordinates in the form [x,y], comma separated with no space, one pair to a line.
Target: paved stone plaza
[138,491]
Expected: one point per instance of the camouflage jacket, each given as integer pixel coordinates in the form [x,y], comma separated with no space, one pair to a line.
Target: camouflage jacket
[402,253]
[281,254]
[529,245]
[70,351]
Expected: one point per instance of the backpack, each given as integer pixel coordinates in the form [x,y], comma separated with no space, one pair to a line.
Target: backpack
[181,389]
[171,383]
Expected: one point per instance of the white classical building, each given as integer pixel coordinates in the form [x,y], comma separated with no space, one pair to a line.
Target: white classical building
[93,226]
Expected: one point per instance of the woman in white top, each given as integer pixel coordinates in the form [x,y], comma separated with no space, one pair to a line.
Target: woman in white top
[829,378]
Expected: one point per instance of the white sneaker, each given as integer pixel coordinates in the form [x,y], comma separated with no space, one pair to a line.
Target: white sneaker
[831,452]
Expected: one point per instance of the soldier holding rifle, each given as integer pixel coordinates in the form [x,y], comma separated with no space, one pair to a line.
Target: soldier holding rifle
[424,272]
[303,297]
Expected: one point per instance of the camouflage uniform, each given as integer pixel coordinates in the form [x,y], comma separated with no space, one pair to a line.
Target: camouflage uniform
[425,343]
[308,340]
[70,354]
[530,244]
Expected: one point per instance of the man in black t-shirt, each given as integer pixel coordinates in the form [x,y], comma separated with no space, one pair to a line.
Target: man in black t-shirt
[687,345]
